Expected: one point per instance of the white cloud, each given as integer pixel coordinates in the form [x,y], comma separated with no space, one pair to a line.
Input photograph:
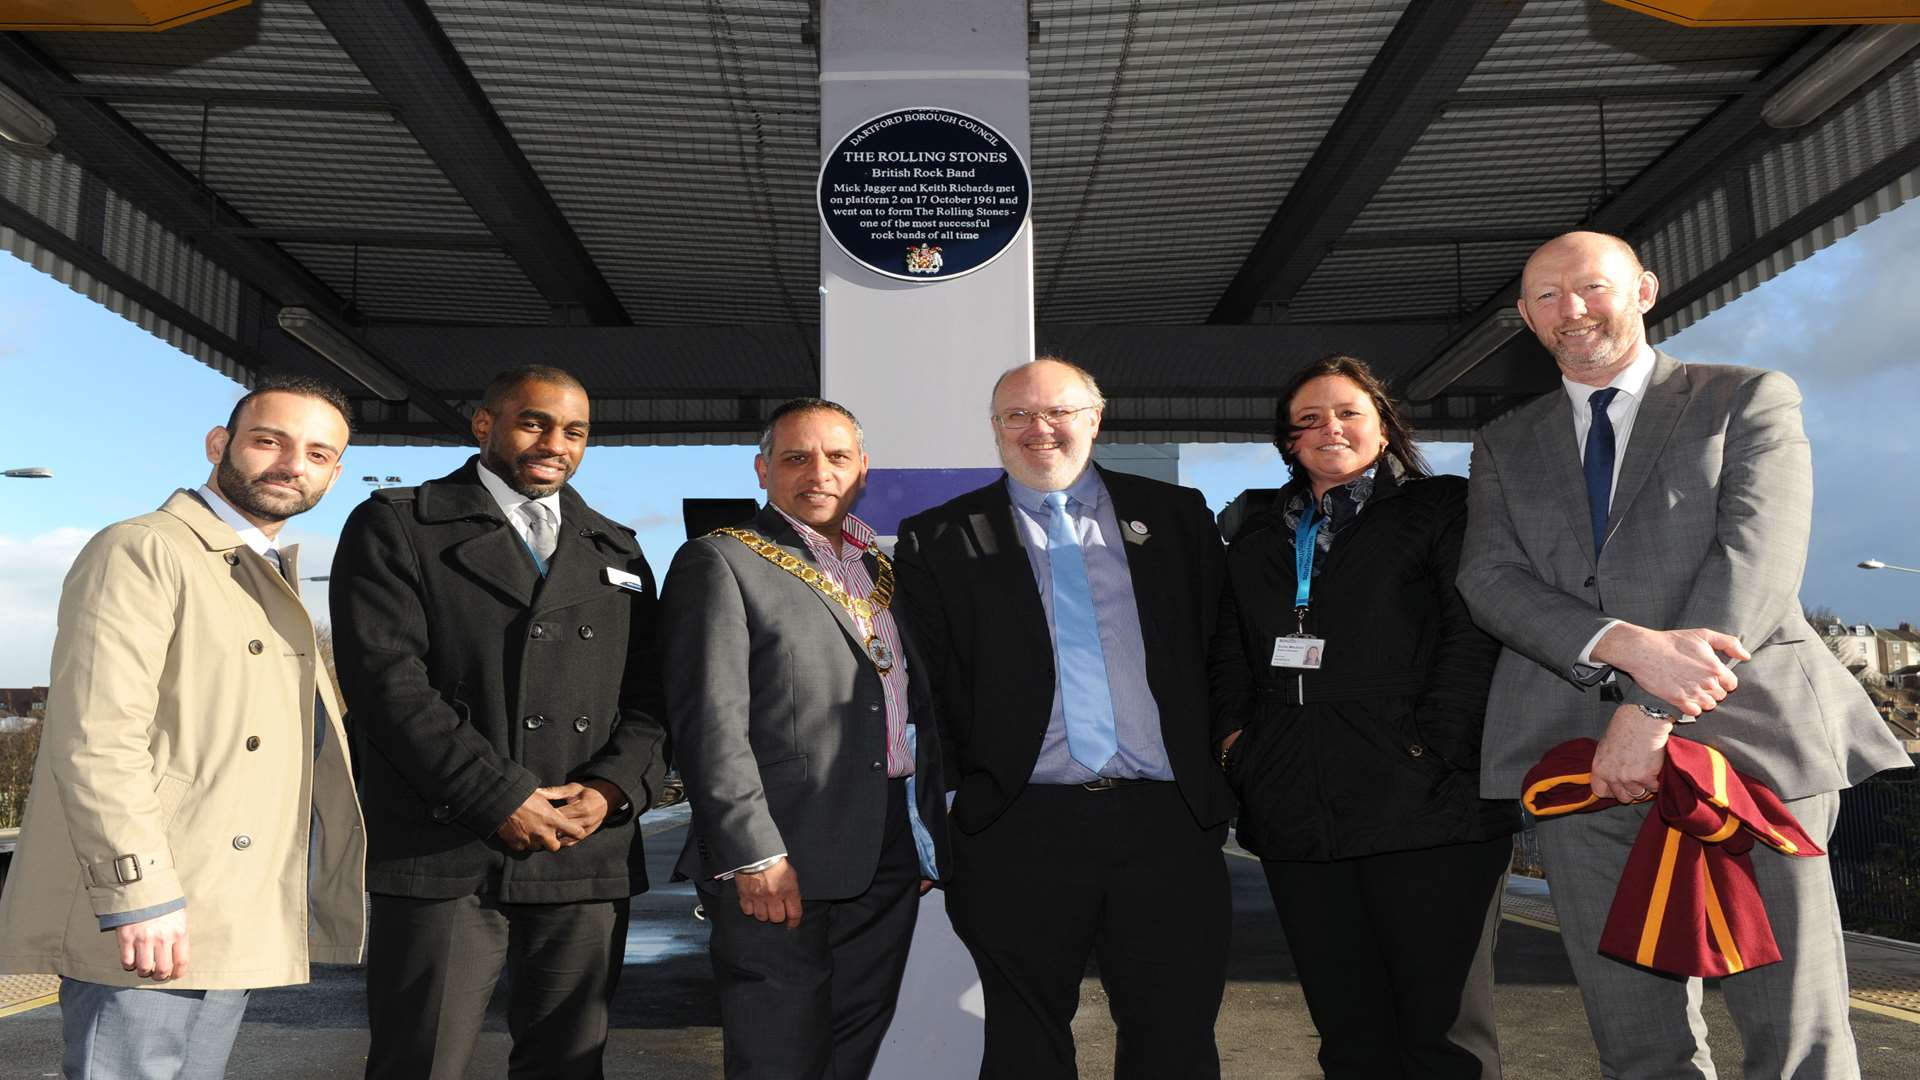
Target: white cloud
[31,570]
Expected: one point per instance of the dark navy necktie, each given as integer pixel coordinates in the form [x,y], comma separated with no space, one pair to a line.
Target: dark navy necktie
[1598,465]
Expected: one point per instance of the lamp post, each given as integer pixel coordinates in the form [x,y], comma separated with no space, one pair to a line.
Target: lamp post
[377,482]
[1876,564]
[30,474]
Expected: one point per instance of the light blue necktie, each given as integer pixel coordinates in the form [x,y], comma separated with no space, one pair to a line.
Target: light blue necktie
[1085,702]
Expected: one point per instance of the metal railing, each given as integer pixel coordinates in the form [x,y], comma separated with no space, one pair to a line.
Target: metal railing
[1875,855]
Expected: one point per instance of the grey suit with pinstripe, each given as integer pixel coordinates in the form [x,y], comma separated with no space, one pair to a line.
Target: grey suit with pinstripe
[1708,528]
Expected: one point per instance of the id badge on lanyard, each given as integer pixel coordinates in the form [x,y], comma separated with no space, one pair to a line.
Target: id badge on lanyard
[1298,650]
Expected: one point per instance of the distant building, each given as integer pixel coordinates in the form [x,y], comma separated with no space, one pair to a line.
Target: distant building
[1897,648]
[23,701]
[1856,645]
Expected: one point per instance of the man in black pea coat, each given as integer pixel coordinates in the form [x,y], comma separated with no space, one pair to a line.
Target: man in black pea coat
[494,639]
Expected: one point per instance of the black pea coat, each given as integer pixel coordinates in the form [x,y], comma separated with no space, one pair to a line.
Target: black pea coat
[1379,749]
[470,680]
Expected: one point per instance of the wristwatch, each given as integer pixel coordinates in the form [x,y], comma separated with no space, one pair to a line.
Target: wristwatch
[1668,715]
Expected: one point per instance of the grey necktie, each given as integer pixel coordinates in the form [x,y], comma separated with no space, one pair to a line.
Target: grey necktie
[541,535]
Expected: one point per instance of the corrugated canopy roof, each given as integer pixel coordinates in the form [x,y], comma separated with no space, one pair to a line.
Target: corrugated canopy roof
[1221,190]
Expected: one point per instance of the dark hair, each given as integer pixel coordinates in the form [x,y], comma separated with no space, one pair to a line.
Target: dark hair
[304,385]
[806,405]
[1399,433]
[505,383]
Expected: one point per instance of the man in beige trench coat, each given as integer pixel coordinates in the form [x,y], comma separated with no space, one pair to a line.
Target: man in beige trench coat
[192,831]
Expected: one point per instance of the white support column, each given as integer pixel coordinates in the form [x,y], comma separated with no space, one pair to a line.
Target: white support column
[916,361]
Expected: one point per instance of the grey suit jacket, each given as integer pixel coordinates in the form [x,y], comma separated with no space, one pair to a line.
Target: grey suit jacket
[1708,528]
[779,719]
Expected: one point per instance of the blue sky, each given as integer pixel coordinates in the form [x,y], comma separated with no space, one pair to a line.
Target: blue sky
[120,416]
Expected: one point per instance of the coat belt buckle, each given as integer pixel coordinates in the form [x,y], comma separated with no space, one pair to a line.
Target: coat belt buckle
[1105,783]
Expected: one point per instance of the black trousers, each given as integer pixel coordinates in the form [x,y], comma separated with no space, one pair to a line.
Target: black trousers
[1123,875]
[1395,954]
[815,1001]
[432,966]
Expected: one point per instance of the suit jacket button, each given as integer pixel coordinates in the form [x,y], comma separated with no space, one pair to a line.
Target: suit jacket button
[1416,750]
[537,631]
[535,721]
[442,813]
[873,706]
[582,723]
[242,842]
[877,766]
[586,632]
[233,558]
[253,742]
[255,647]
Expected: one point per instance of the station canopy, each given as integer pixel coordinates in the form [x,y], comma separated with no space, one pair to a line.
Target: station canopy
[437,189]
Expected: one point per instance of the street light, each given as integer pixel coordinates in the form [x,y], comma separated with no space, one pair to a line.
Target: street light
[31,474]
[1876,564]
[378,483]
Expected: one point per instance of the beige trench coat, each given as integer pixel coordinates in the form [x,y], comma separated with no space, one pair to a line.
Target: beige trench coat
[177,759]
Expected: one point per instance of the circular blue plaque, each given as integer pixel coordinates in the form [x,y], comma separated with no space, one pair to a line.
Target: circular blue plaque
[924,194]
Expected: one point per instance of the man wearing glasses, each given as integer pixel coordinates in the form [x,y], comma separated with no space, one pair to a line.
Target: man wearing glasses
[1066,611]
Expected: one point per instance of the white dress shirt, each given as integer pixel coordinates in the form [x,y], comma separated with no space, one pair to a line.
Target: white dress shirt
[514,505]
[1632,384]
[263,545]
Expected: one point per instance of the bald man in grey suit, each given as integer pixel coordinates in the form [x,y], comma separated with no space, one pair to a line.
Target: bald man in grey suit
[1632,537]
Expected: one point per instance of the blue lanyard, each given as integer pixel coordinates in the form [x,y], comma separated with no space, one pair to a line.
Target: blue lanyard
[1305,536]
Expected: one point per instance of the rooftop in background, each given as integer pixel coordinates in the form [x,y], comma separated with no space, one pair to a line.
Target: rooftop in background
[451,186]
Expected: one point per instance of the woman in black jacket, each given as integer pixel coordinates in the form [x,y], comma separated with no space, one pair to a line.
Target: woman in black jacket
[1354,684]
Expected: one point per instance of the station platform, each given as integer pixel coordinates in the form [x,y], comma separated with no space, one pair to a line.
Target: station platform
[666,1022]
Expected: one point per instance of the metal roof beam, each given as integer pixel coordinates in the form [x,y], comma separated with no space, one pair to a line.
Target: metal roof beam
[376,238]
[146,176]
[1525,97]
[404,53]
[1696,161]
[1431,51]
[1375,239]
[315,100]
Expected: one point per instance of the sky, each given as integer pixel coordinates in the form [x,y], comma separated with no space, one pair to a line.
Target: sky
[121,418]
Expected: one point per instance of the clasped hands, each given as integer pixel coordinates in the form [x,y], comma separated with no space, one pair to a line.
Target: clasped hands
[1681,667]
[557,817]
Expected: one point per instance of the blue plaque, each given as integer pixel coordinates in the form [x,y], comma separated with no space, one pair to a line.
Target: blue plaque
[924,194]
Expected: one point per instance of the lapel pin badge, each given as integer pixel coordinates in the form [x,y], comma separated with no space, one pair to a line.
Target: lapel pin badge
[1137,532]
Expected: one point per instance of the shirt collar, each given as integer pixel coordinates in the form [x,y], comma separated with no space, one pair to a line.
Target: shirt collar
[250,533]
[1632,380]
[853,531]
[508,499]
[1086,490]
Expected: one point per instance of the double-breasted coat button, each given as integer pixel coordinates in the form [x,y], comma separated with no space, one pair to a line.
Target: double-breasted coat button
[873,706]
[877,766]
[586,632]
[242,842]
[1416,750]
[537,631]
[233,558]
[582,723]
[535,721]
[442,813]
[253,742]
[255,647]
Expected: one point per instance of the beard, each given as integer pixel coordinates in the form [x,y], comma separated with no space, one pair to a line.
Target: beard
[514,472]
[1610,342]
[250,495]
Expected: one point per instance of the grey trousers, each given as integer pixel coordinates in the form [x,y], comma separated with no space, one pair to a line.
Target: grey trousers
[1792,1016]
[123,1033]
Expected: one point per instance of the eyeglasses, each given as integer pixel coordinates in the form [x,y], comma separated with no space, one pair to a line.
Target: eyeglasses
[1021,419]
